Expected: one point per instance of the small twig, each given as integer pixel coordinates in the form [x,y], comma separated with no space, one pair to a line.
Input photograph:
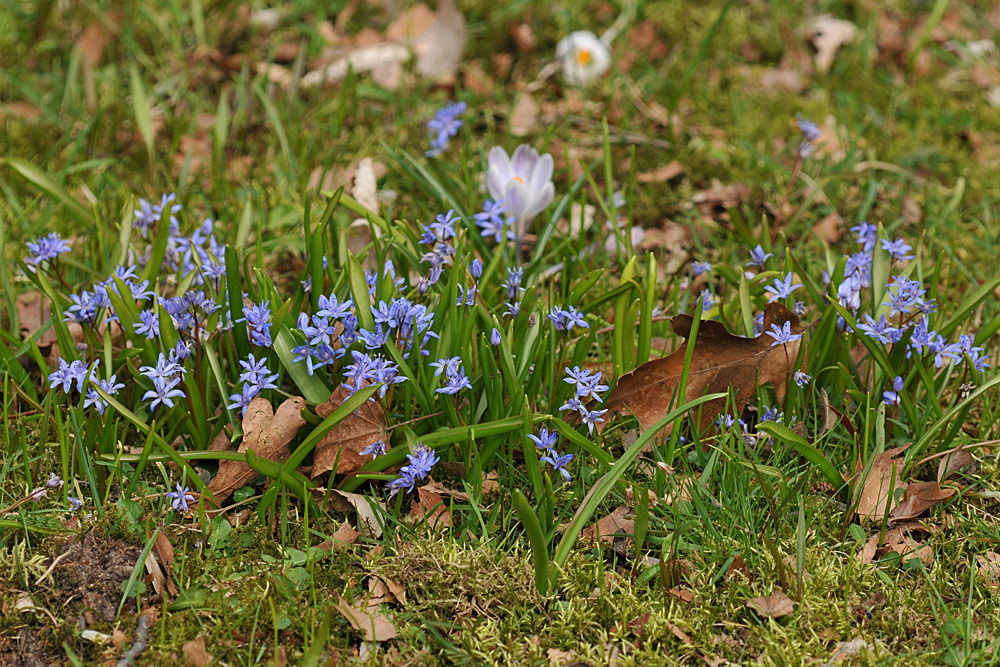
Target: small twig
[141,641]
[51,568]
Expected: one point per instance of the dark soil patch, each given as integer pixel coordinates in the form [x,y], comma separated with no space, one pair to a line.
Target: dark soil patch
[24,647]
[91,571]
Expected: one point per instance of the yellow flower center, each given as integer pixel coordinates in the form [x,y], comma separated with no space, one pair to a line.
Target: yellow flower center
[583,57]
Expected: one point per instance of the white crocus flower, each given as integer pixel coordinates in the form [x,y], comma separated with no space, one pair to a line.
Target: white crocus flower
[522,181]
[584,57]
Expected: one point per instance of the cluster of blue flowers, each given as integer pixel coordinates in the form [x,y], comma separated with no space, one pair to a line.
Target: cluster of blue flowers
[512,286]
[255,378]
[86,306]
[546,441]
[588,387]
[421,461]
[367,370]
[438,235]
[443,127]
[166,375]
[66,375]
[45,249]
[564,320]
[454,373]
[492,221]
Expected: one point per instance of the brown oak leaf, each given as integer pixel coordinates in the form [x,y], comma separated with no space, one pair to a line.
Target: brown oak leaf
[348,438]
[267,433]
[721,361]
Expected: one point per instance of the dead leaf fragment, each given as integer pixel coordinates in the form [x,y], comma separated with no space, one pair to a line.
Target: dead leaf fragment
[437,39]
[524,116]
[827,35]
[667,172]
[875,492]
[899,540]
[33,312]
[619,521]
[367,518]
[721,361]
[775,605]
[988,566]
[343,445]
[431,505]
[195,654]
[267,433]
[919,497]
[952,463]
[373,627]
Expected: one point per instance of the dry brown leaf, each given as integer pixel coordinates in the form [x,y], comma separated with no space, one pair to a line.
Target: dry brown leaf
[524,116]
[345,535]
[442,490]
[558,656]
[722,196]
[875,492]
[33,311]
[384,60]
[682,594]
[680,634]
[156,575]
[477,80]
[897,539]
[374,627]
[667,172]
[164,549]
[988,566]
[919,497]
[348,438]
[721,361]
[430,505]
[789,80]
[94,40]
[829,229]
[952,463]
[617,522]
[827,35]
[367,518]
[265,432]
[436,38]
[195,654]
[21,110]
[775,605]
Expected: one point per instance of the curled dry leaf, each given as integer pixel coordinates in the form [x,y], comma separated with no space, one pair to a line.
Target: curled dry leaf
[774,605]
[875,491]
[373,627]
[342,446]
[827,35]
[952,463]
[384,60]
[265,432]
[919,497]
[721,361]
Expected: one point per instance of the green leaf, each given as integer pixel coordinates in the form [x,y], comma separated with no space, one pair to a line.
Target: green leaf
[539,545]
[46,184]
